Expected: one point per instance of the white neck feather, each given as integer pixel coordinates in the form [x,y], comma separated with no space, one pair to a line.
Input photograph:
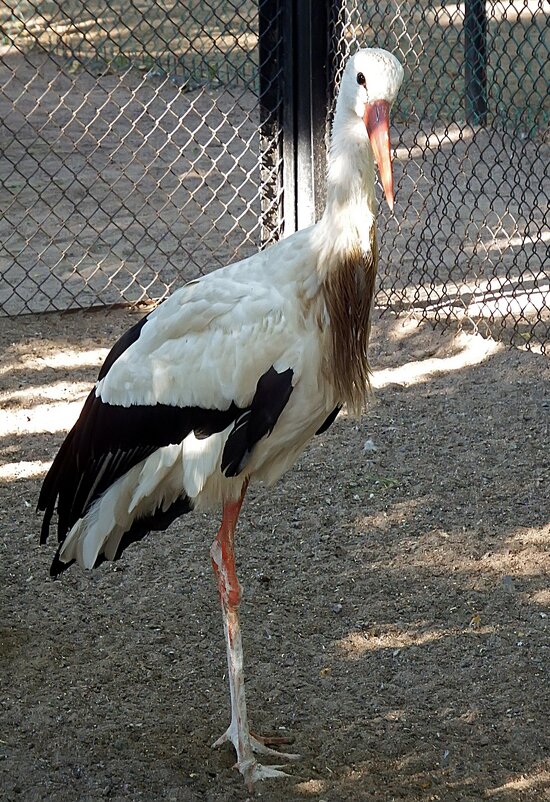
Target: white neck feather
[349,216]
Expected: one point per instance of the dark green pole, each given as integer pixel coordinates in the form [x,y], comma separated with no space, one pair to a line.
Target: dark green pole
[475,61]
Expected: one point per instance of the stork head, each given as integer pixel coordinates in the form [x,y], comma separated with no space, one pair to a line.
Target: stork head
[370,84]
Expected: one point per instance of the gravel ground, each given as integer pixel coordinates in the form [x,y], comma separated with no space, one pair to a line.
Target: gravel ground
[395,610]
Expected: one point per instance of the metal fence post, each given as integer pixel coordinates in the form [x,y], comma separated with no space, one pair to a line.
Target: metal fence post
[475,61]
[311,48]
[306,72]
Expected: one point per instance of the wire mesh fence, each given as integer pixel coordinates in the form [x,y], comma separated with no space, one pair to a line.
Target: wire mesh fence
[471,237]
[130,147]
[138,139]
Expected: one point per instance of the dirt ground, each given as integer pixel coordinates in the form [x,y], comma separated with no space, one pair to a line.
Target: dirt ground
[395,612]
[395,608]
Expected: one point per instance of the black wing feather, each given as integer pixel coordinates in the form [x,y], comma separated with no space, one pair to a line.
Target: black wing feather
[330,420]
[272,393]
[106,442]
[160,520]
[127,339]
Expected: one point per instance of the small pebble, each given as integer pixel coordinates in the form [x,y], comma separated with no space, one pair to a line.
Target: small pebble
[508,584]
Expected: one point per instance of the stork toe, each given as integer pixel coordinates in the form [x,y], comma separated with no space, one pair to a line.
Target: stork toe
[254,771]
[259,745]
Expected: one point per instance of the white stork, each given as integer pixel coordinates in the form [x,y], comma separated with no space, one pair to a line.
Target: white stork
[227,380]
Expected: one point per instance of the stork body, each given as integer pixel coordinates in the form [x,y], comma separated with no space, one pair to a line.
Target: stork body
[227,380]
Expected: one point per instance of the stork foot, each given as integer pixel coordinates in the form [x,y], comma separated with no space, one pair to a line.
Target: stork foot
[258,744]
[253,771]
[247,764]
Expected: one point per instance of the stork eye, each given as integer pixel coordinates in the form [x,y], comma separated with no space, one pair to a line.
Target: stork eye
[361,79]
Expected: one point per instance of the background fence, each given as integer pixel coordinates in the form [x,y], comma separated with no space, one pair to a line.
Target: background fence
[472,236]
[143,143]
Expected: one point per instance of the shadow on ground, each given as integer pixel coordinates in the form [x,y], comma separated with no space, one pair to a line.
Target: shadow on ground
[396,595]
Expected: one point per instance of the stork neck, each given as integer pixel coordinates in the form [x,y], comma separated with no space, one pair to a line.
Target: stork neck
[348,220]
[348,259]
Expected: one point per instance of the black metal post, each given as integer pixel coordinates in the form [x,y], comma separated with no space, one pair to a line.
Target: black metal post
[311,49]
[289,114]
[475,61]
[305,106]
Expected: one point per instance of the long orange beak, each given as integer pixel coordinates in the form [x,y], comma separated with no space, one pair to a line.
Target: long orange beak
[377,122]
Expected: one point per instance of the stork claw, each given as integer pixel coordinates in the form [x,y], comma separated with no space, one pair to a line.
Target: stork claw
[222,739]
[251,770]
[257,771]
[262,749]
[257,745]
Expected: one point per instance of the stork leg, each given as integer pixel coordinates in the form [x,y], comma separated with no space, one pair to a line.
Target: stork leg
[223,562]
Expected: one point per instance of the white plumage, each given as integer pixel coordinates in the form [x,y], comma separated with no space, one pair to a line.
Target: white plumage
[231,376]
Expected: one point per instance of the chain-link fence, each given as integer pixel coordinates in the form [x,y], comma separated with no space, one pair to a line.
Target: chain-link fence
[471,235]
[142,143]
[129,133]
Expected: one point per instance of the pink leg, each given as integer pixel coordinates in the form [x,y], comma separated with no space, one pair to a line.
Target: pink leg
[223,561]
